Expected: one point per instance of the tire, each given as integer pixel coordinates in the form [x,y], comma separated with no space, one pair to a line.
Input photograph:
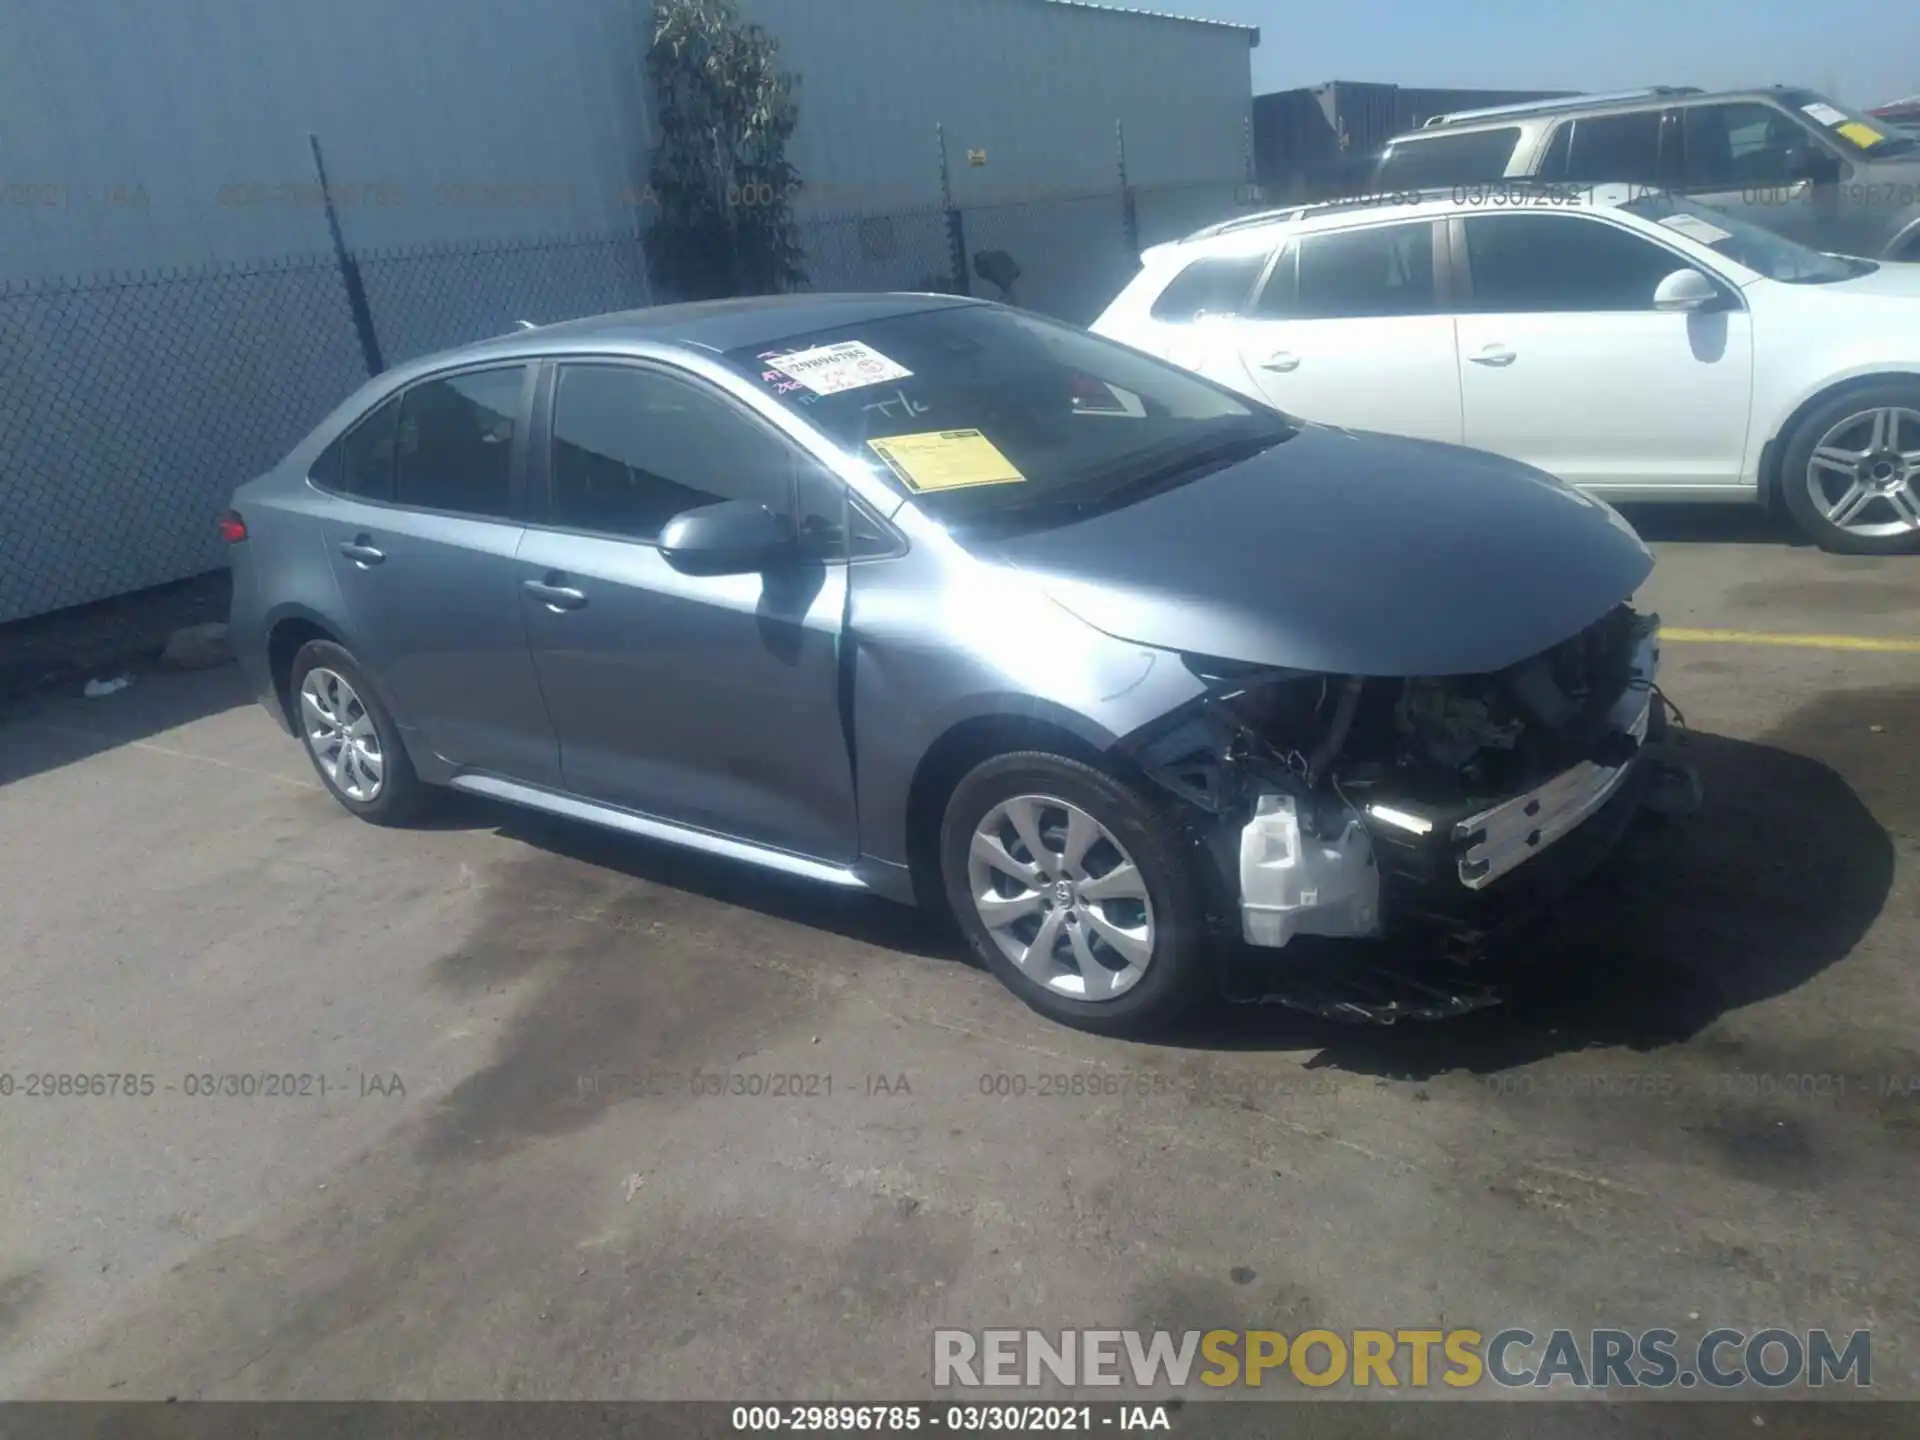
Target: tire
[398,796]
[1884,525]
[1042,790]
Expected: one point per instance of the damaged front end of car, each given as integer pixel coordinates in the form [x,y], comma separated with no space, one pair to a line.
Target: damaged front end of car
[1438,811]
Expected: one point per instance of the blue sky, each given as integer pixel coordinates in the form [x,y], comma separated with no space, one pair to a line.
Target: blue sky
[1862,58]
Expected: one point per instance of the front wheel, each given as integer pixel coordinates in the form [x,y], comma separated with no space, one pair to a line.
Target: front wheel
[1072,886]
[1850,474]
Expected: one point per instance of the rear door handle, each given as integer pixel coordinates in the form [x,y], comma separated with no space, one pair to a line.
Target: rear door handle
[1494,355]
[361,551]
[1280,360]
[556,597]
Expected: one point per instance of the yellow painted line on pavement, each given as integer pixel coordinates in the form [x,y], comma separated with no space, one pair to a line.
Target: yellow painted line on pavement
[1871,643]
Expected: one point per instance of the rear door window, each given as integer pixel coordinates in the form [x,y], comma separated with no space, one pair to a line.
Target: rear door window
[1211,285]
[1382,270]
[456,448]
[1440,160]
[1600,148]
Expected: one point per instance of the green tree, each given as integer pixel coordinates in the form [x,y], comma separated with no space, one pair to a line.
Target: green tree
[719,172]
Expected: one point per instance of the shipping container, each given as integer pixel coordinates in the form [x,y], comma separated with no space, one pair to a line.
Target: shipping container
[1320,139]
[1414,107]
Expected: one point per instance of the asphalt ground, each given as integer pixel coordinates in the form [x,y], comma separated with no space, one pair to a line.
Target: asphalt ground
[1701,1106]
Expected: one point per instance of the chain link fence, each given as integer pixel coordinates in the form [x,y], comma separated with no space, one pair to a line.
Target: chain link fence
[432,298]
[900,250]
[131,405]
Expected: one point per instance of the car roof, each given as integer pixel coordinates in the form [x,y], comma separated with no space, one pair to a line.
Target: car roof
[1656,97]
[713,325]
[1425,202]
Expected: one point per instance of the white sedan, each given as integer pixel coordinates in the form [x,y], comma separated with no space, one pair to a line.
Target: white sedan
[1637,346]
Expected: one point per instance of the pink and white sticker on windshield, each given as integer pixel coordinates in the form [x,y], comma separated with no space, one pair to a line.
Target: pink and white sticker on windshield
[843,365]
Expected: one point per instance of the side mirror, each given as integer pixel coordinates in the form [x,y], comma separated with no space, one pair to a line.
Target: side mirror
[1685,290]
[735,537]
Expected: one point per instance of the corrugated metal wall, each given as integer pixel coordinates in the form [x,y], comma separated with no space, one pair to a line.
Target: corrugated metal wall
[145,135]
[171,317]
[176,134]
[1037,87]
[1034,89]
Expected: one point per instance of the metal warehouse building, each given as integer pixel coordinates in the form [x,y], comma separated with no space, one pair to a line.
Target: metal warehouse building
[173,312]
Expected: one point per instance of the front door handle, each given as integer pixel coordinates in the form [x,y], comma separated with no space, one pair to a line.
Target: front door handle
[1494,355]
[1281,360]
[557,598]
[361,551]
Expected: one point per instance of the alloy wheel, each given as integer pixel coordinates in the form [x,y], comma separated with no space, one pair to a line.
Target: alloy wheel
[1061,897]
[341,734]
[1862,480]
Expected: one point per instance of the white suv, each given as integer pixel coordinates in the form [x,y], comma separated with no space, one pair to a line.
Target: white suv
[1635,345]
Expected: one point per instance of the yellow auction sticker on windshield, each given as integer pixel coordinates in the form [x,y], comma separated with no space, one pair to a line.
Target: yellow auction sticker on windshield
[1862,135]
[946,460]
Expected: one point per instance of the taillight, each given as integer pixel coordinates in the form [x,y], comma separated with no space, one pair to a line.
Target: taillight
[232,528]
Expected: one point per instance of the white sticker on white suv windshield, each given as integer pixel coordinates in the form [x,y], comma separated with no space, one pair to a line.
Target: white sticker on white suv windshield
[843,365]
[1824,113]
[1694,228]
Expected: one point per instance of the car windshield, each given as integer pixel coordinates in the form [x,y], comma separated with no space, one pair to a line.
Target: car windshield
[1862,134]
[978,412]
[1759,250]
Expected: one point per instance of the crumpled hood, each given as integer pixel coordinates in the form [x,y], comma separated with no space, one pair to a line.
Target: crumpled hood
[1347,554]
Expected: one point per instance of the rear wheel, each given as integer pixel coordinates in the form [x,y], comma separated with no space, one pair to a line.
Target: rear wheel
[1072,886]
[1850,474]
[351,739]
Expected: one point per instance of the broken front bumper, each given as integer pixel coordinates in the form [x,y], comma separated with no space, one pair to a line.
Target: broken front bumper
[1474,872]
[1498,840]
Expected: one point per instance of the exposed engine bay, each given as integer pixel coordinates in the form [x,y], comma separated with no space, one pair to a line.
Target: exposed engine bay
[1343,807]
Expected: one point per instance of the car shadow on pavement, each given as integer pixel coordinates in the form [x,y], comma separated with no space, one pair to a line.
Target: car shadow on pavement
[853,915]
[51,729]
[1779,877]
[1714,524]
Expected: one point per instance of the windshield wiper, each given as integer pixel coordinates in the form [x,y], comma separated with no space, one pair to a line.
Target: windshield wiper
[1080,501]
[1222,452]
[1154,477]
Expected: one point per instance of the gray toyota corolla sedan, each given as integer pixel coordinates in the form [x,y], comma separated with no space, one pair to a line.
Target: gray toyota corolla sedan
[946,601]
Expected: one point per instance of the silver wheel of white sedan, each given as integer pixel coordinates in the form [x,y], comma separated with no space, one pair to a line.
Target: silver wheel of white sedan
[1864,473]
[1061,897]
[341,734]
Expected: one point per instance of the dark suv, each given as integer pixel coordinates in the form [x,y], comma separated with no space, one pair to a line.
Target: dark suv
[1781,157]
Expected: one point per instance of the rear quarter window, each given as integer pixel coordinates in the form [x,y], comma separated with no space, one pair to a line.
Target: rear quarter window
[1211,285]
[1437,160]
[361,462]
